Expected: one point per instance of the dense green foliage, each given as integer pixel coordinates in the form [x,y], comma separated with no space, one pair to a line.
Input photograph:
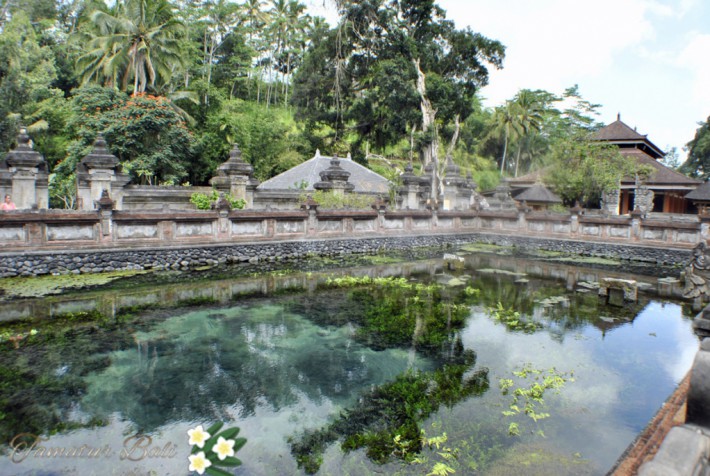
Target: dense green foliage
[203,201]
[173,83]
[698,163]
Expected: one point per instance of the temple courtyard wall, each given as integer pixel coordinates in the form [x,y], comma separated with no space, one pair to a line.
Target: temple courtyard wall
[60,242]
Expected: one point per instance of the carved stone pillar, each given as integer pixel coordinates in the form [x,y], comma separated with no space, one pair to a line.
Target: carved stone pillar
[409,191]
[99,171]
[235,177]
[105,206]
[610,202]
[456,192]
[27,172]
[643,200]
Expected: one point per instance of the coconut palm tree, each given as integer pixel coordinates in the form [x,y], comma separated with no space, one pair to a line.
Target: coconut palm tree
[135,40]
[505,123]
[529,118]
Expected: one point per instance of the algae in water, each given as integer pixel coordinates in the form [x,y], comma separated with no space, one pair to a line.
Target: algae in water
[48,285]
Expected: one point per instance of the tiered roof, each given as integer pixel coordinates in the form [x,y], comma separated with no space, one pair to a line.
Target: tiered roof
[623,136]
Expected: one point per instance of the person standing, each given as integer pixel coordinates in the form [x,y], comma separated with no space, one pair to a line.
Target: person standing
[8,204]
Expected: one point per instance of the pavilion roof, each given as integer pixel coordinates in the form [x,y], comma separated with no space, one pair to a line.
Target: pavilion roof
[700,194]
[662,175]
[305,175]
[538,193]
[620,134]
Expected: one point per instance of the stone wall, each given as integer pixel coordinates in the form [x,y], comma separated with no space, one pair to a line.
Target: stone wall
[76,261]
[44,241]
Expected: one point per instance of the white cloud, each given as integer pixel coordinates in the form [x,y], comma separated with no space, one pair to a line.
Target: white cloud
[553,44]
[694,58]
[644,58]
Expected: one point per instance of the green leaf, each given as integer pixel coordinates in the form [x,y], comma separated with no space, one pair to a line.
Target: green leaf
[228,461]
[212,471]
[239,443]
[229,433]
[215,428]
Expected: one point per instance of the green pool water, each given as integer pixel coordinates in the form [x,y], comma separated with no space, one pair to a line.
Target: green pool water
[322,376]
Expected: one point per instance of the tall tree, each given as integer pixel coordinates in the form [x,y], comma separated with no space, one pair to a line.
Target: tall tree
[374,35]
[529,116]
[506,125]
[698,162]
[134,41]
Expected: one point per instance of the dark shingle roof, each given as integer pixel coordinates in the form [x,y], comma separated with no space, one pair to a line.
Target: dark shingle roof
[538,193]
[617,130]
[531,178]
[700,194]
[662,175]
[308,173]
[622,135]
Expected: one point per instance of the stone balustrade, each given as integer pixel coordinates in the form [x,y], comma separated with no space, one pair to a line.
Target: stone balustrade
[50,229]
[48,232]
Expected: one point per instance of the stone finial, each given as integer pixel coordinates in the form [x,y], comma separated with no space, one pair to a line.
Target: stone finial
[235,165]
[502,191]
[452,173]
[309,204]
[222,203]
[317,153]
[408,177]
[24,155]
[379,204]
[100,156]
[334,177]
[349,157]
[105,202]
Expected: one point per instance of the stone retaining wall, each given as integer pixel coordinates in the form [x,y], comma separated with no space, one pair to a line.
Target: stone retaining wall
[64,262]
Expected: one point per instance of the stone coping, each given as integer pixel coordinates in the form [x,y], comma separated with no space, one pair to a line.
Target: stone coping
[354,214]
[606,220]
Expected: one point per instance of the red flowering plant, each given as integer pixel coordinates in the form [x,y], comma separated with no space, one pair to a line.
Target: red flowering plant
[147,135]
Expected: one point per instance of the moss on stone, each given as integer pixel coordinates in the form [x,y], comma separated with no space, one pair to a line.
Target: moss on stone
[14,288]
[486,248]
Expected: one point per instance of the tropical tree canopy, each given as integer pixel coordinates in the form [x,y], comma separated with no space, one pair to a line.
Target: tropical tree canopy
[134,42]
[393,81]
[698,163]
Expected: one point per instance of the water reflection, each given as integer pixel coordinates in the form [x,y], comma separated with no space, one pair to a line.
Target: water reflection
[316,375]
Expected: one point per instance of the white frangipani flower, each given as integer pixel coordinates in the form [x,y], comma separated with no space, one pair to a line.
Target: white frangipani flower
[198,436]
[199,463]
[223,448]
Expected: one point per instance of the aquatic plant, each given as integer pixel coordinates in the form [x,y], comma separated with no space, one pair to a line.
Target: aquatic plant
[528,394]
[512,319]
[392,412]
[397,312]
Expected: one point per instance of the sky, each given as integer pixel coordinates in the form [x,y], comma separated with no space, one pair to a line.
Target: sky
[647,60]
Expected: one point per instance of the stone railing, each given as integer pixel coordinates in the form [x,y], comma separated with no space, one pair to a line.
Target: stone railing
[52,230]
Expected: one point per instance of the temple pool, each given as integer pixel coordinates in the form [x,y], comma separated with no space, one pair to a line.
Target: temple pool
[507,366]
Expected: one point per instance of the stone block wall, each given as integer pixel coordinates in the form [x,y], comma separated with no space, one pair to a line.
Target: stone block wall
[48,232]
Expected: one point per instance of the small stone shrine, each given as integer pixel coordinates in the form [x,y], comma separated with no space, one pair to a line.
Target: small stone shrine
[23,175]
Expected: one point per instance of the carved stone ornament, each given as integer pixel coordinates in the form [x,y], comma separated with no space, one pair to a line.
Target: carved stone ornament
[697,272]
